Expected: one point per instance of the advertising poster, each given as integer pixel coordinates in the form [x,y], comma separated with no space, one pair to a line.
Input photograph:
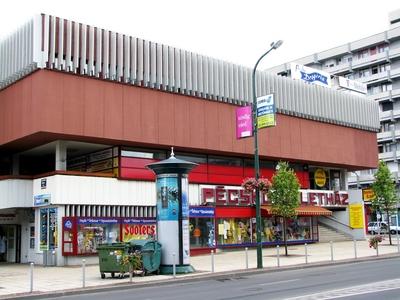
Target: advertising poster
[266,111]
[185,242]
[167,197]
[185,199]
[44,229]
[134,229]
[356,216]
[244,122]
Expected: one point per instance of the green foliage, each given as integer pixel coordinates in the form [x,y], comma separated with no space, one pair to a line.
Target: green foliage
[384,189]
[132,260]
[284,191]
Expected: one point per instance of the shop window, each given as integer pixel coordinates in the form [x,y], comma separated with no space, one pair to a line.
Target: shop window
[263,164]
[32,237]
[297,229]
[48,228]
[225,161]
[143,153]
[198,159]
[201,233]
[92,234]
[319,179]
[234,231]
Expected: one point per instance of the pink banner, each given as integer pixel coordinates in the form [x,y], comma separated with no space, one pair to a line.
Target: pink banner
[244,124]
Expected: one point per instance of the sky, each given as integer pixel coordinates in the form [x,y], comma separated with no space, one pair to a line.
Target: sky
[235,31]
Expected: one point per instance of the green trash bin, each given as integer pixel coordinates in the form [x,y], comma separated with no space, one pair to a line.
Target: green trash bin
[151,255]
[110,256]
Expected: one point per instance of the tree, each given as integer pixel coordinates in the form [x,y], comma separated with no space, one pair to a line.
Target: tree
[385,193]
[284,195]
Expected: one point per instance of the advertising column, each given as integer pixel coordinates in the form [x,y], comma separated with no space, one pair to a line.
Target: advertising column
[173,213]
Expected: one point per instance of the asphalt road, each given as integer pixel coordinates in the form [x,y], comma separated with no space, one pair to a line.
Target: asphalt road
[365,280]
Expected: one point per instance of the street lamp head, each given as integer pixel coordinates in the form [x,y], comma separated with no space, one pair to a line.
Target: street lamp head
[277,44]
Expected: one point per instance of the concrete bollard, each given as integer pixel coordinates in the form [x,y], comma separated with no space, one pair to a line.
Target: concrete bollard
[398,245]
[31,277]
[130,273]
[247,257]
[277,256]
[212,261]
[377,249]
[306,253]
[83,272]
[173,265]
[331,243]
[355,249]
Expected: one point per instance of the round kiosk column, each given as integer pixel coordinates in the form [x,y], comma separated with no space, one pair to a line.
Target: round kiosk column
[172,189]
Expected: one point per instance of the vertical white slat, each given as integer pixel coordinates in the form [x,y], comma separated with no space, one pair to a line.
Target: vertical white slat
[188,59]
[183,71]
[52,49]
[200,76]
[221,70]
[133,60]
[106,54]
[177,69]
[99,45]
[240,84]
[165,66]
[60,54]
[206,90]
[140,60]
[113,56]
[236,83]
[120,57]
[90,67]
[76,47]
[127,58]
[216,79]
[153,64]
[37,55]
[146,63]
[227,86]
[194,73]
[171,69]
[159,65]
[211,78]
[46,40]
[83,65]
[68,48]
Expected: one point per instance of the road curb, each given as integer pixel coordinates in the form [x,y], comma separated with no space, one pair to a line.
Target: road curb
[191,278]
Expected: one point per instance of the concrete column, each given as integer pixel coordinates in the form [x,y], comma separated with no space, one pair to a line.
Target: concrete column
[61,156]
[15,164]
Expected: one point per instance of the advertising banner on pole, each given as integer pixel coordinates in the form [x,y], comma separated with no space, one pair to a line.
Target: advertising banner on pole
[244,122]
[266,111]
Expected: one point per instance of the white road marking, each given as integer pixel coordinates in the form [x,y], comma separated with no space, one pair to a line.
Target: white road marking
[278,282]
[373,287]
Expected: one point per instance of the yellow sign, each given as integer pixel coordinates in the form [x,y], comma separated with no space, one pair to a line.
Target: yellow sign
[356,216]
[368,194]
[320,177]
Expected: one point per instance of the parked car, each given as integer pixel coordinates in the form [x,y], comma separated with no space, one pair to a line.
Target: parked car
[375,227]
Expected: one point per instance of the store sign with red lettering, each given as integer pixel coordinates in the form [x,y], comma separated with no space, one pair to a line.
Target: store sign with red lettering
[325,198]
[133,229]
[227,195]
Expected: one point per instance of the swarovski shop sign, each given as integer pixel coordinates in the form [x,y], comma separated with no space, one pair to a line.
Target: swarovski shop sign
[310,75]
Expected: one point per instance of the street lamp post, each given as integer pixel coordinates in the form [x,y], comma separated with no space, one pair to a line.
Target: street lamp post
[274,45]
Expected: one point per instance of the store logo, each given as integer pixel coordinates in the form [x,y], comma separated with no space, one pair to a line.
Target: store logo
[68,224]
[312,77]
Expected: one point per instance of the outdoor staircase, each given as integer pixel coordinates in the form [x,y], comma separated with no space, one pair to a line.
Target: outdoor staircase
[327,234]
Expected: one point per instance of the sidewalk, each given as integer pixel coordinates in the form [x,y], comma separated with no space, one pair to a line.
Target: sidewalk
[15,279]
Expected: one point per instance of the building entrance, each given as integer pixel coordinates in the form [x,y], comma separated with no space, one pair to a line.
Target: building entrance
[10,243]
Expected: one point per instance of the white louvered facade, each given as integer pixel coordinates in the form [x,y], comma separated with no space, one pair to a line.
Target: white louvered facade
[54,43]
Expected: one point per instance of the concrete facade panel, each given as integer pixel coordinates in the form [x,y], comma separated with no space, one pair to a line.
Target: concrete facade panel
[68,105]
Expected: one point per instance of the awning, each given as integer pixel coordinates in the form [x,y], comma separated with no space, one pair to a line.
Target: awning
[304,210]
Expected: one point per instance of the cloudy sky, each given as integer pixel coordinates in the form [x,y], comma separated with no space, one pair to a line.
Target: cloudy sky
[236,31]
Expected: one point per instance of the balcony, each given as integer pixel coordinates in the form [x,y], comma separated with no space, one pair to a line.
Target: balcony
[389,156]
[386,136]
[369,60]
[393,53]
[375,78]
[385,95]
[389,115]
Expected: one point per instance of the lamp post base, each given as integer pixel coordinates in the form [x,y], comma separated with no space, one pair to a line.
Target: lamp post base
[180,269]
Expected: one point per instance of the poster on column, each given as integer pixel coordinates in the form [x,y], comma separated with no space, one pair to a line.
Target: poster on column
[185,242]
[266,111]
[167,197]
[185,199]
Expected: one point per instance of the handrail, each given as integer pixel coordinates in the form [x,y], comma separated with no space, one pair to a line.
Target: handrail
[334,220]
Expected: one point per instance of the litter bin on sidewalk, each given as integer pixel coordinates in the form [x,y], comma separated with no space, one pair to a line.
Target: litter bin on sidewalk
[49,258]
[151,255]
[110,256]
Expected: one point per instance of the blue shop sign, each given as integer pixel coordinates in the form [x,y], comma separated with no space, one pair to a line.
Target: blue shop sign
[40,200]
[201,212]
[98,221]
